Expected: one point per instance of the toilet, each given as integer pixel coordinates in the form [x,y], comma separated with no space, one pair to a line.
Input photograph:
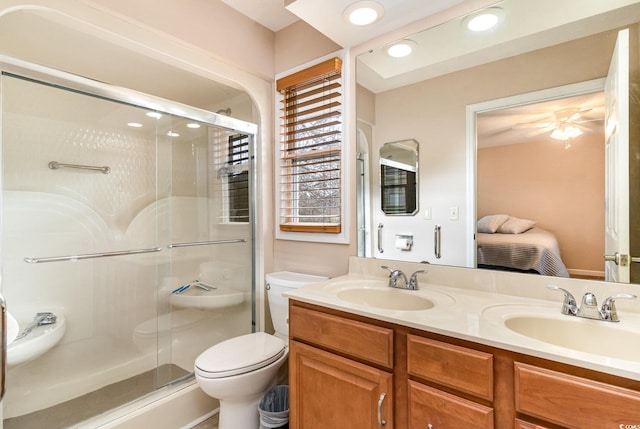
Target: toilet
[238,371]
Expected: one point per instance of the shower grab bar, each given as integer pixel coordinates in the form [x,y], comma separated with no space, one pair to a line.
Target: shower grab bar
[54,165]
[206,243]
[90,255]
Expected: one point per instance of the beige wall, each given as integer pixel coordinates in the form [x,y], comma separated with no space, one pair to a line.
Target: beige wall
[298,44]
[365,105]
[561,189]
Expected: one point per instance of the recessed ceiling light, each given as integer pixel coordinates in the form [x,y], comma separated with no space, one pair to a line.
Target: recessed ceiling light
[135,124]
[363,12]
[484,20]
[155,115]
[193,125]
[173,134]
[401,48]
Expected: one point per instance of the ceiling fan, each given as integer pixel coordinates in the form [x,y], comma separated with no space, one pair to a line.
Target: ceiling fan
[564,124]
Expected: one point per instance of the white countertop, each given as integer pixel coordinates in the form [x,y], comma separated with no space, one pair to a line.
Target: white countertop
[477,315]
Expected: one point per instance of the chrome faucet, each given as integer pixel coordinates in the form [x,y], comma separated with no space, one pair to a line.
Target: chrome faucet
[397,275]
[589,307]
[413,280]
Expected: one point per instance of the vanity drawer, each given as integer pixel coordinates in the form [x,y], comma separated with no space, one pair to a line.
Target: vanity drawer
[573,401]
[460,368]
[370,343]
[521,424]
[429,407]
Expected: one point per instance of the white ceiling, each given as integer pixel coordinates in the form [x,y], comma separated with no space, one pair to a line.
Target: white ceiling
[270,13]
[326,16]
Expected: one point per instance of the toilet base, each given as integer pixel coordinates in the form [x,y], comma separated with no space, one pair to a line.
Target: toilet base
[239,414]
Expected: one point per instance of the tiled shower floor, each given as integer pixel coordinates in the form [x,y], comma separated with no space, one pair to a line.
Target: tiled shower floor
[84,407]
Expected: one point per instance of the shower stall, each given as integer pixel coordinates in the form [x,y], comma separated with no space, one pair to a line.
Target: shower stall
[126,242]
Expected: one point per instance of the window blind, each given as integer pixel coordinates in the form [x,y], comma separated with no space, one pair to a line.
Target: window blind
[311,149]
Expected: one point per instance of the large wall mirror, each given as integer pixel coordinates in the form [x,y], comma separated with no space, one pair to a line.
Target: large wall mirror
[514,122]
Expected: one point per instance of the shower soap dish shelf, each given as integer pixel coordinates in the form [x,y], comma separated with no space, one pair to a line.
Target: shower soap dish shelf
[39,341]
[206,299]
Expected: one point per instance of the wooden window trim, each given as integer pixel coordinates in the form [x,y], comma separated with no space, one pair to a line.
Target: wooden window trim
[319,110]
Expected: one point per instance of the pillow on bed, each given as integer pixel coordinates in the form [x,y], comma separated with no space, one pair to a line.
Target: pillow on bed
[490,224]
[513,225]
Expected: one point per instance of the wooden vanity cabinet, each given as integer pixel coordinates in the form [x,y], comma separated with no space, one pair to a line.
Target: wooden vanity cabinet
[459,369]
[340,372]
[340,364]
[573,401]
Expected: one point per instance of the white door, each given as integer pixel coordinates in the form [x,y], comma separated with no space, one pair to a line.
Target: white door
[617,163]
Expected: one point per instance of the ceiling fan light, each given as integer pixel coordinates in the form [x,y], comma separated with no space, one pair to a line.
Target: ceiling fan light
[566,132]
[572,131]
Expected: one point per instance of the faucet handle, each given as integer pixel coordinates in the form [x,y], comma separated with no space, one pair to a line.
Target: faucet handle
[569,306]
[393,276]
[413,280]
[391,270]
[609,311]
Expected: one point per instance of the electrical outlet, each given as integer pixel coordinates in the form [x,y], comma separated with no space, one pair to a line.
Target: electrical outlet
[453,213]
[427,213]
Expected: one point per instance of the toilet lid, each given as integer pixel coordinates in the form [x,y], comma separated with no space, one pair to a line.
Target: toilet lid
[240,355]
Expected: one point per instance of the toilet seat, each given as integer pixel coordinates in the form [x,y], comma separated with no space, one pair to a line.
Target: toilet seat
[240,355]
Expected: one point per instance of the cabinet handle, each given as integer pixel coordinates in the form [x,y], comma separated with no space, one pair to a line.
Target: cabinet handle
[380,401]
[429,426]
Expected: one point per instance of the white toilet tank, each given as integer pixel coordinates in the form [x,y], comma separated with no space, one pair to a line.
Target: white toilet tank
[279,283]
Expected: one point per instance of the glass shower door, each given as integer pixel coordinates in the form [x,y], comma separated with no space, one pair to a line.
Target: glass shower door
[126,248]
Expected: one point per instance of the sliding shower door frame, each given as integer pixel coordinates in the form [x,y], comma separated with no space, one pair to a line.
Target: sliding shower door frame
[28,71]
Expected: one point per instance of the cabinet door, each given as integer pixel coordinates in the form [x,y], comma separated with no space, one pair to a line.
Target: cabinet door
[433,408]
[329,391]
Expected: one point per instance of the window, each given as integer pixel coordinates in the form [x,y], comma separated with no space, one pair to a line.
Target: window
[311,149]
[238,182]
[232,153]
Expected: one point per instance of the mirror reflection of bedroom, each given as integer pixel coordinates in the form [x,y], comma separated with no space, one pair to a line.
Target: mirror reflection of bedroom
[540,169]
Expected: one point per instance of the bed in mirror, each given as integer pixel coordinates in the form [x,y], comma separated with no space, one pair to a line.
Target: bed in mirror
[513,122]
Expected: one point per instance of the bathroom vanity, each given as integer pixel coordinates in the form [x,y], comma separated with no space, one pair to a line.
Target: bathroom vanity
[453,365]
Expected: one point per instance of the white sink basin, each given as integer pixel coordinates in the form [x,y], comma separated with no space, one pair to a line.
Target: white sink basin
[619,340]
[388,299]
[377,294]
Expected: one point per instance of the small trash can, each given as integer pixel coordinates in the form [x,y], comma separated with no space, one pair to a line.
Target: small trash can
[274,408]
